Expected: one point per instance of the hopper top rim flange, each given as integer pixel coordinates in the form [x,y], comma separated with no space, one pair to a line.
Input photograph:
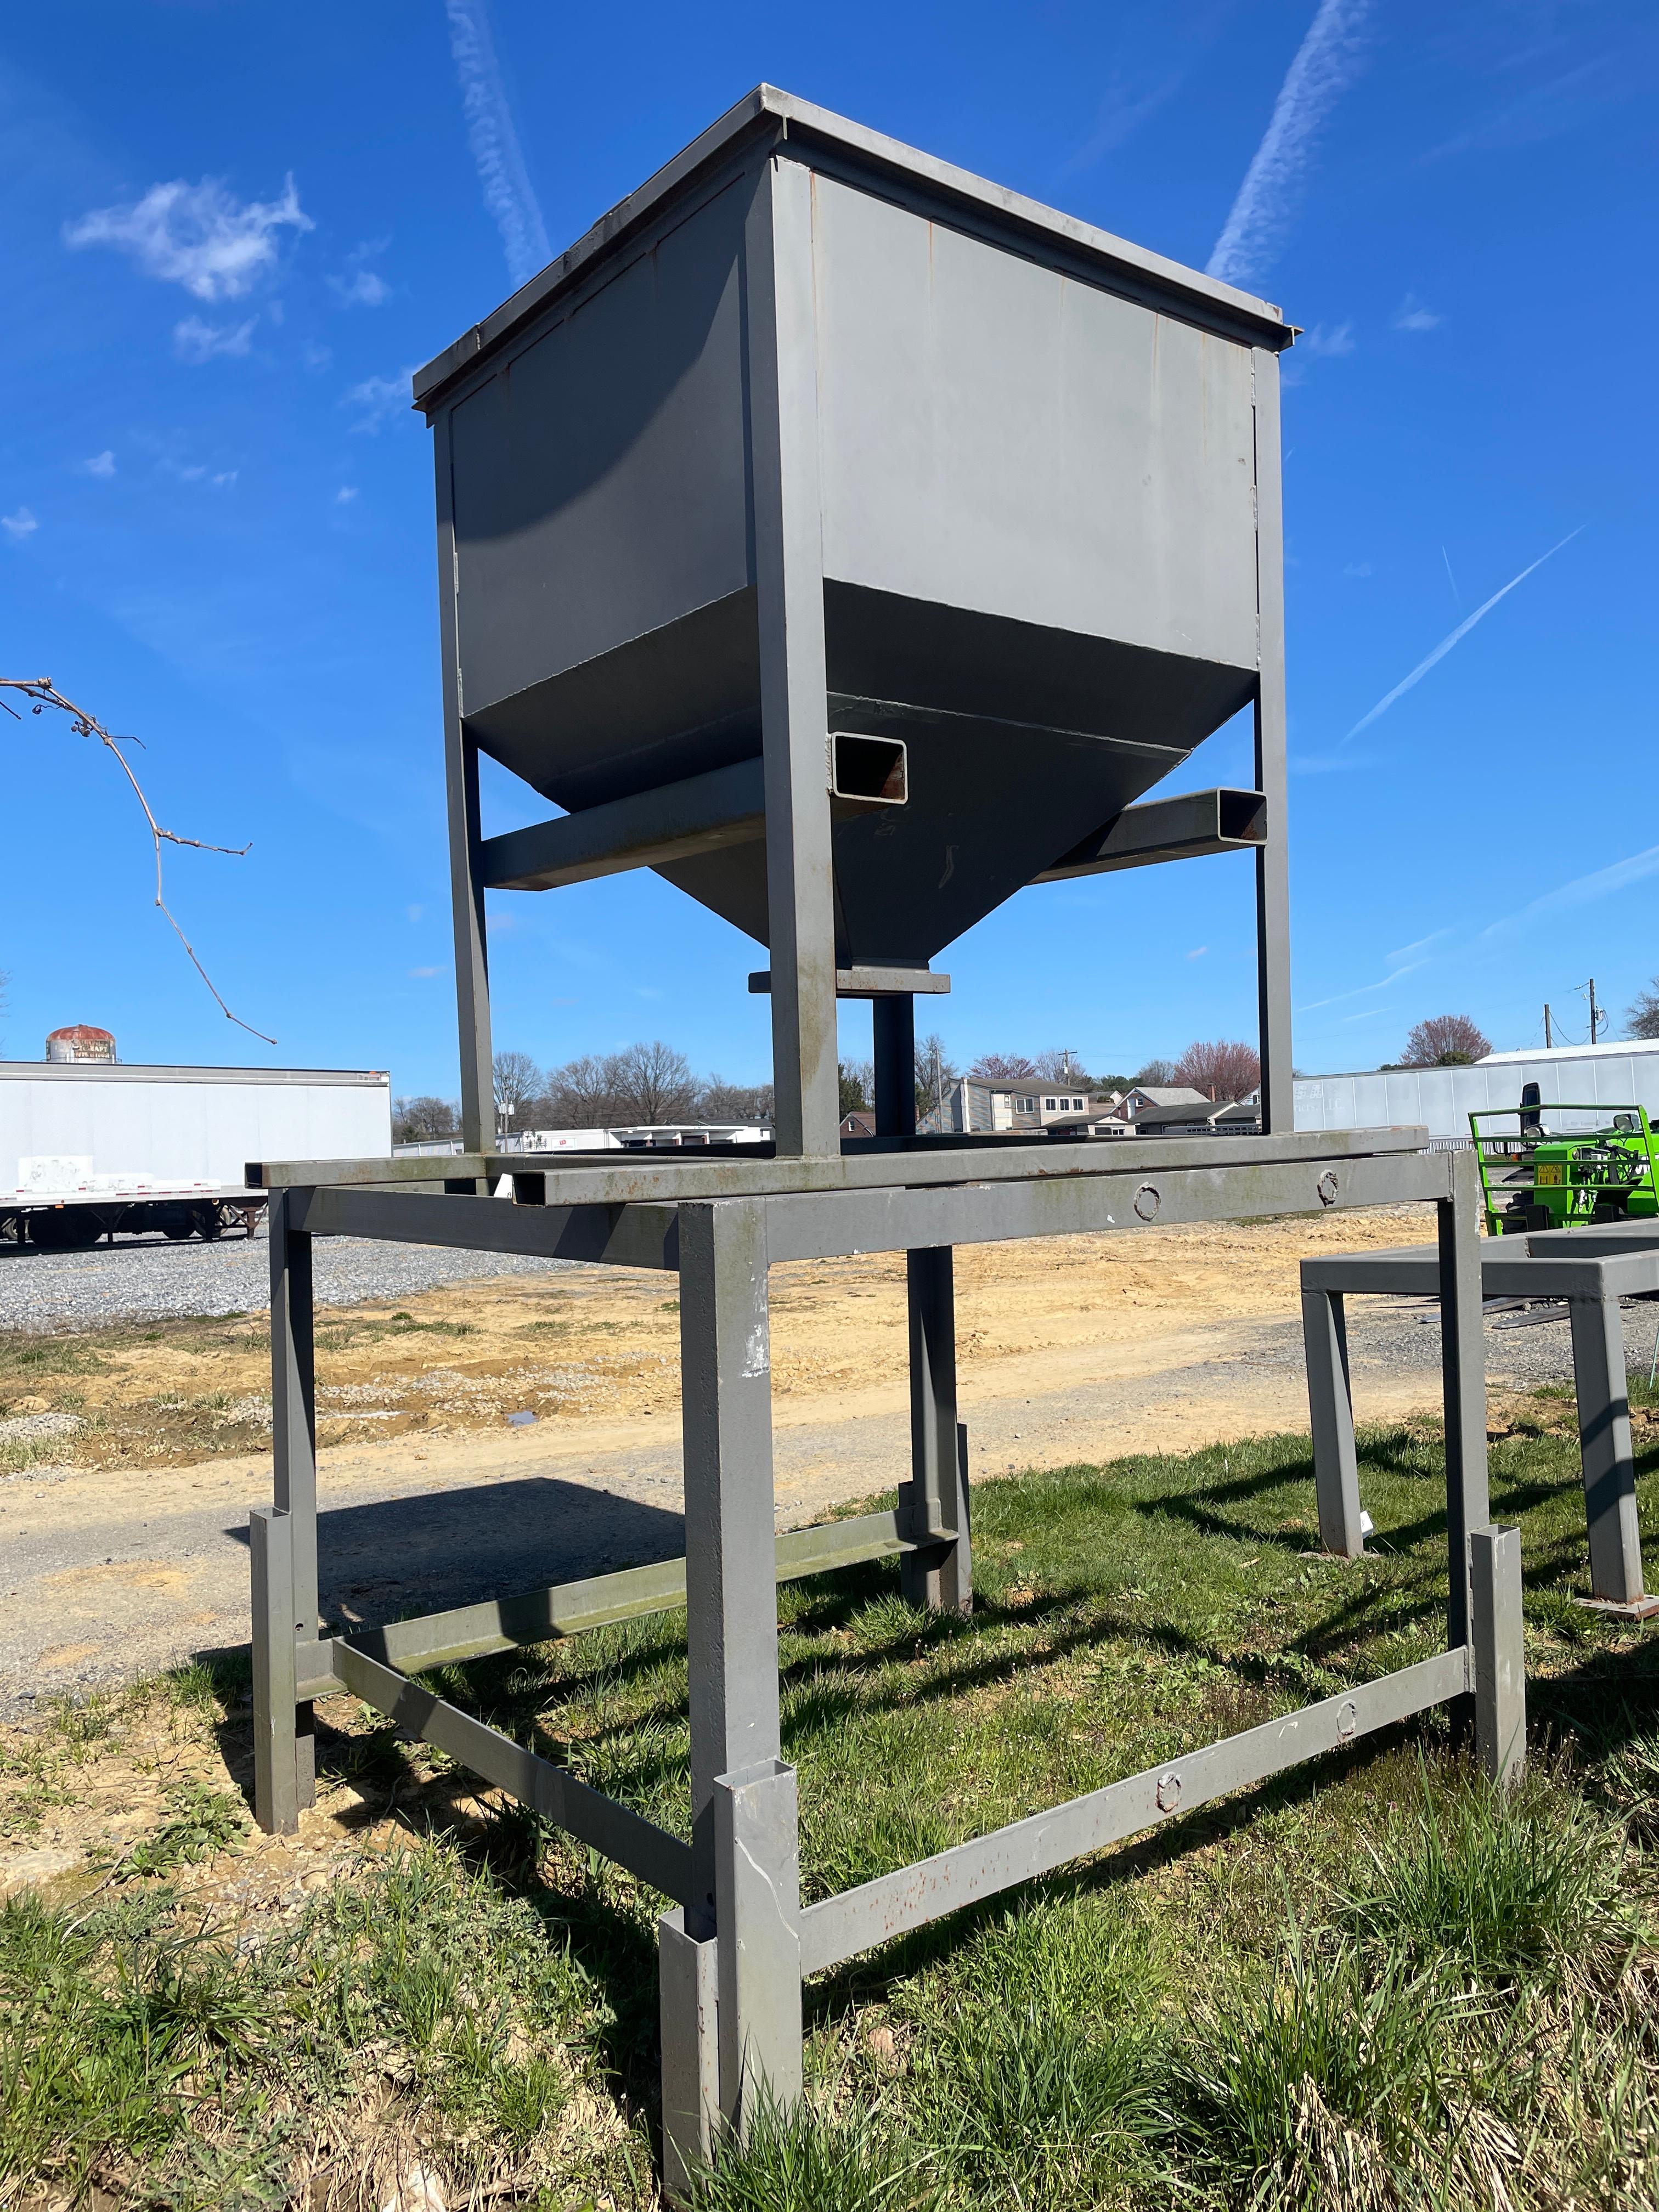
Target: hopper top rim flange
[1258,320]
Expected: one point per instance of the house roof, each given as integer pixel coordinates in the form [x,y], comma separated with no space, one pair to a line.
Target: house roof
[1175,1097]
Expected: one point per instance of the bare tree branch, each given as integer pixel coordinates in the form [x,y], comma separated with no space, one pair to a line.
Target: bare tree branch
[43,692]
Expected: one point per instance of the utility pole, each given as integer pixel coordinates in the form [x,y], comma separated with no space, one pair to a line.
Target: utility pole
[1596,1013]
[1549,1038]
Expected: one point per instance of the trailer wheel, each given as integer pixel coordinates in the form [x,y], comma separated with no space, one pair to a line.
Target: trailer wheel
[211,1222]
[178,1229]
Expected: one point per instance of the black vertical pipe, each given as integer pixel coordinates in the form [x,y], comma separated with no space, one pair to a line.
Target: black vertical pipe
[894,1021]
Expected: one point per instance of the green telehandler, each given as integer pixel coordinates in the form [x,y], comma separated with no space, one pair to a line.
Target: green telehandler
[1533,1177]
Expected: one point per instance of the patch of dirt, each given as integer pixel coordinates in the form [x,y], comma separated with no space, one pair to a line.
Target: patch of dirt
[602,1346]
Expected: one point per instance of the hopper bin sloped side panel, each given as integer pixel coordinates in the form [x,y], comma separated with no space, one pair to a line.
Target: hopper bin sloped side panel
[601,498]
[990,804]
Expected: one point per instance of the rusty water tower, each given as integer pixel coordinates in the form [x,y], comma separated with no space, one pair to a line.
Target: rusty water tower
[80,1042]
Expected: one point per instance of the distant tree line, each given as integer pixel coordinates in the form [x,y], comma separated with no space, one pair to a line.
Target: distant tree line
[1223,1070]
[642,1086]
[650,1084]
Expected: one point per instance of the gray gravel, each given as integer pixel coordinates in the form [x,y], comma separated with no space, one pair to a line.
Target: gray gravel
[1390,1333]
[148,1278]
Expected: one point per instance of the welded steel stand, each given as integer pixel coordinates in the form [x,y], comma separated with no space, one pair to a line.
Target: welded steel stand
[736,1946]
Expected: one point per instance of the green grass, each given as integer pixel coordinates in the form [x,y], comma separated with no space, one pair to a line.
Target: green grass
[1372,1983]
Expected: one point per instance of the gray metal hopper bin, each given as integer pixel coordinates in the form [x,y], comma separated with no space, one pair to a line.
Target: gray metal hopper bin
[855,543]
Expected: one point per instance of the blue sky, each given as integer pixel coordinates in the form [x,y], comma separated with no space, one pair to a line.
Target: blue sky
[231,231]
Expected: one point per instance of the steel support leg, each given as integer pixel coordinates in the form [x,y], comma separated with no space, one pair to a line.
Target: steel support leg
[294,1440]
[788,557]
[1273,882]
[1609,1456]
[276,1780]
[758,1873]
[745,1882]
[934,1503]
[465,833]
[1500,1659]
[1463,1384]
[689,1984]
[1330,1407]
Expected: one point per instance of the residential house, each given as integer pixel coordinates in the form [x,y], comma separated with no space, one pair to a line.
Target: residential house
[1162,1112]
[972,1108]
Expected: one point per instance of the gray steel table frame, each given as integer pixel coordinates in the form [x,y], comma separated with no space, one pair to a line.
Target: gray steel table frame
[734,1950]
[1591,1276]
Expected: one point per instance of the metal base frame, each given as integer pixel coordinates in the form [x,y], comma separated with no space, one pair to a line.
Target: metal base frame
[734,1950]
[1592,1279]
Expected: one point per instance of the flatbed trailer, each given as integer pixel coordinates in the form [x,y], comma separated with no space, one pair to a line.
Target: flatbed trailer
[73,1220]
[95,1149]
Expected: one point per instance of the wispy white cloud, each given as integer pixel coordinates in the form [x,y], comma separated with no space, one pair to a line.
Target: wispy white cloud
[424,972]
[200,236]
[1411,315]
[508,191]
[1418,945]
[20,523]
[1582,891]
[1365,990]
[1123,108]
[358,285]
[379,400]
[1357,568]
[195,341]
[362,288]
[1339,339]
[1460,632]
[316,356]
[1327,63]
[1198,953]
[100,464]
[346,495]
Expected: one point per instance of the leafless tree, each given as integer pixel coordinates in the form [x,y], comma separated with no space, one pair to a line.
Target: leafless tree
[415,1121]
[719,1100]
[1445,1041]
[517,1080]
[1156,1075]
[1003,1067]
[1062,1067]
[42,693]
[935,1072]
[1222,1070]
[581,1094]
[653,1084]
[1642,1021]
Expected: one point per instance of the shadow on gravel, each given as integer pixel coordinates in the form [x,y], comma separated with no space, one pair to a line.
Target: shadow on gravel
[448,1547]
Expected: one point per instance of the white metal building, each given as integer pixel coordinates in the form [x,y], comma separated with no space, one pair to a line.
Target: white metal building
[1441,1099]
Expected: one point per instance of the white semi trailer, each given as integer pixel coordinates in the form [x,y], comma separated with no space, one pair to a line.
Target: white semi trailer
[90,1149]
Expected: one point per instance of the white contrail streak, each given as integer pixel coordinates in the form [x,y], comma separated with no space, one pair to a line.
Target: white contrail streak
[1327,63]
[1582,891]
[1447,643]
[506,188]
